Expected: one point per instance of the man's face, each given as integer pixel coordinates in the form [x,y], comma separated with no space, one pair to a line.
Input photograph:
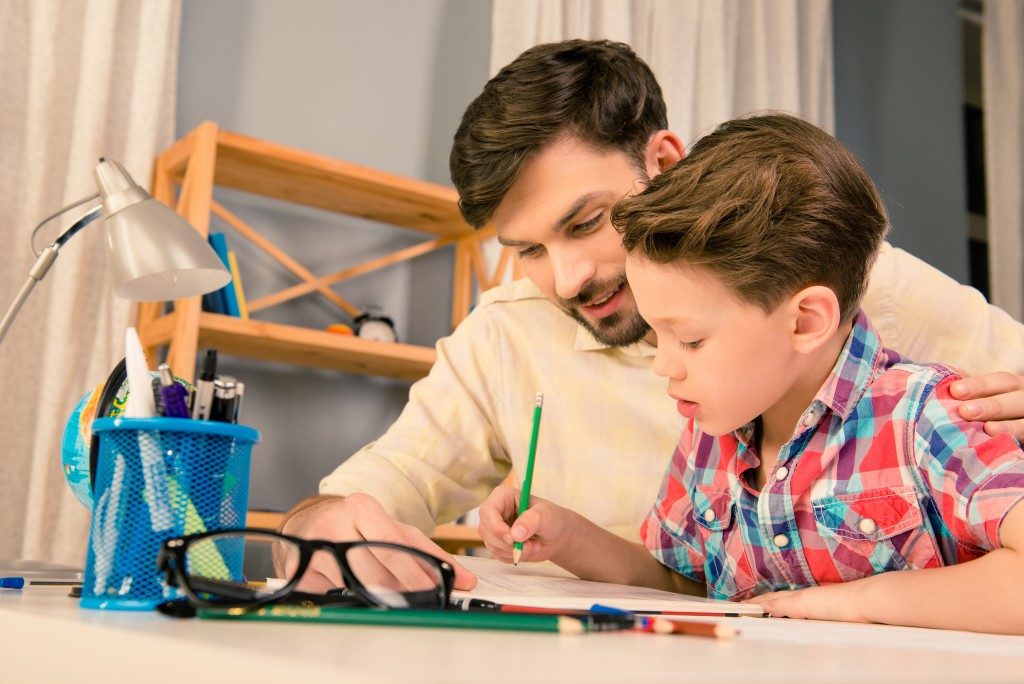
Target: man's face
[726,360]
[556,217]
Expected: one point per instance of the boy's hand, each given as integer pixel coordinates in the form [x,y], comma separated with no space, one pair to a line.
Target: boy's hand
[997,399]
[543,527]
[826,602]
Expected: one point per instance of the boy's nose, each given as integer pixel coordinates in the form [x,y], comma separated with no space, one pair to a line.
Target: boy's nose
[666,367]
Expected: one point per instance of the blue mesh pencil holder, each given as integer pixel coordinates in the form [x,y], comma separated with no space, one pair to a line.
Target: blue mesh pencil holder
[159,478]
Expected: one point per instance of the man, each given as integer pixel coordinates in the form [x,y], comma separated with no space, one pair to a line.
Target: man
[555,139]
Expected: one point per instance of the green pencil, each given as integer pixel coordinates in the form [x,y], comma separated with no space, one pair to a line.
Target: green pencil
[457,619]
[524,496]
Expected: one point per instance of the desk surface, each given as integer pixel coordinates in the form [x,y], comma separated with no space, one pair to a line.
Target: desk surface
[47,637]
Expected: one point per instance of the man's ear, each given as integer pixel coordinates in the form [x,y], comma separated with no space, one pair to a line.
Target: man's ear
[663,150]
[815,317]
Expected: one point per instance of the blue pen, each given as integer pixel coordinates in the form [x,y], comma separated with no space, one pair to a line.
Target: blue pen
[608,610]
[31,583]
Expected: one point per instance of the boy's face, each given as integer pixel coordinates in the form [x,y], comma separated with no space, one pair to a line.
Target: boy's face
[556,217]
[726,360]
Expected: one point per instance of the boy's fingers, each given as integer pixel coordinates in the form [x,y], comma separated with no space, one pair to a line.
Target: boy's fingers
[526,525]
[492,520]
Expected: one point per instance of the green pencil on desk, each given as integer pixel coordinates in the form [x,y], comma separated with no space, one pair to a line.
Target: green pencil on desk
[524,497]
[405,618]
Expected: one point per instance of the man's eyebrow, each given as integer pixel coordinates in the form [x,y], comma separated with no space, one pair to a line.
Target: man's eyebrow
[512,243]
[577,207]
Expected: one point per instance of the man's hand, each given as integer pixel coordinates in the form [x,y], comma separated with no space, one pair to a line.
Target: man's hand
[352,518]
[997,399]
[543,527]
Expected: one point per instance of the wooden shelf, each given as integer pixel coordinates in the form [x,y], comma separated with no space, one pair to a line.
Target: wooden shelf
[298,346]
[208,157]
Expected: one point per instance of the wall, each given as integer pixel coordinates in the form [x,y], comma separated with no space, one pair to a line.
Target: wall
[898,107]
[380,84]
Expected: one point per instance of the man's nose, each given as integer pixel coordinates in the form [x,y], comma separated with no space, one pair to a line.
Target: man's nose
[571,271]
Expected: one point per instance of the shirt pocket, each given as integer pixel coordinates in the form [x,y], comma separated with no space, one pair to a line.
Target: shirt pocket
[874,531]
[727,565]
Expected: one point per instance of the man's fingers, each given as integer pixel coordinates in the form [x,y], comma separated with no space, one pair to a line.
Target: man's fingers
[1014,428]
[986,385]
[1009,406]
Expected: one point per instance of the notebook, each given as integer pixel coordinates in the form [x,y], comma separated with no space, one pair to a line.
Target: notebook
[545,585]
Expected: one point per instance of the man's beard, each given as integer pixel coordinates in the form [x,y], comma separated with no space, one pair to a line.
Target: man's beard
[616,330]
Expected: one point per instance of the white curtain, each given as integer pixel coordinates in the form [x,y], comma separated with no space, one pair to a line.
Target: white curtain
[714,59]
[1002,63]
[81,79]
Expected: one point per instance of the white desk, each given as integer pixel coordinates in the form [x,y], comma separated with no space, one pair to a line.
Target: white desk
[46,637]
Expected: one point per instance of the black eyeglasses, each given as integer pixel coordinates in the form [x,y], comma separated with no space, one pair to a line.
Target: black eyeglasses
[249,567]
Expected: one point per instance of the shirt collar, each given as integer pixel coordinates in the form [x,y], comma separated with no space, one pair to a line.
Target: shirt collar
[862,359]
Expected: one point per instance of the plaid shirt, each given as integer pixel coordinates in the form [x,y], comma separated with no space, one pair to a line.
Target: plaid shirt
[880,474]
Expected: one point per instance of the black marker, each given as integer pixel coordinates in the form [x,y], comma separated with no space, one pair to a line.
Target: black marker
[203,399]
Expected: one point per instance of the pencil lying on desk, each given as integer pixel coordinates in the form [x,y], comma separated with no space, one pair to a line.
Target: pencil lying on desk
[524,496]
[690,627]
[562,624]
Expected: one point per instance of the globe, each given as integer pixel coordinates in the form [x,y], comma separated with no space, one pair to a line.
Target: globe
[74,446]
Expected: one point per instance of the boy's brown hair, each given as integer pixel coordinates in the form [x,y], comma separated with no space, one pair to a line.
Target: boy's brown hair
[597,91]
[770,204]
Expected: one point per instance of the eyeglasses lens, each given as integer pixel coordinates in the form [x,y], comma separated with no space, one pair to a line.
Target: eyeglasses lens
[247,567]
[396,578]
[243,566]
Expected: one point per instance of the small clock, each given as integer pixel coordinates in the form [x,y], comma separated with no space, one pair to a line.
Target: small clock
[372,324]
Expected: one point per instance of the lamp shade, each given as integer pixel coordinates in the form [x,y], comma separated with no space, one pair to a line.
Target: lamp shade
[153,254]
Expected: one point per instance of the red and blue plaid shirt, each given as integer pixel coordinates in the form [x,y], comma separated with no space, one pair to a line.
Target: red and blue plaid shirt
[881,474]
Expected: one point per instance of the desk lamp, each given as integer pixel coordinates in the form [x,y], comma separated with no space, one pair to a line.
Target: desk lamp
[153,254]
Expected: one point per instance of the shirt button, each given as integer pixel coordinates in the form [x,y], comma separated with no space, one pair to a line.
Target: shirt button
[808,420]
[709,516]
[781,473]
[868,526]
[781,540]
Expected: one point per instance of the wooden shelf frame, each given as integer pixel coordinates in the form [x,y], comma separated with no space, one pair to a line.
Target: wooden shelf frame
[185,176]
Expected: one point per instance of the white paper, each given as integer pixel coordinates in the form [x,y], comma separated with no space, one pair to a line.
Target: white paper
[546,586]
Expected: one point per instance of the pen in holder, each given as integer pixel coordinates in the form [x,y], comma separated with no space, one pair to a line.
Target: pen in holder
[159,478]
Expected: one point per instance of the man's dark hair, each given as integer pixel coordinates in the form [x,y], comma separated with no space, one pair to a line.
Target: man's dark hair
[770,204]
[599,92]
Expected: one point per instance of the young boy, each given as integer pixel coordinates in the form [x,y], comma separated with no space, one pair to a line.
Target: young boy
[816,461]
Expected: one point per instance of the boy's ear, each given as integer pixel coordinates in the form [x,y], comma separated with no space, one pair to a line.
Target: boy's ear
[663,150]
[816,317]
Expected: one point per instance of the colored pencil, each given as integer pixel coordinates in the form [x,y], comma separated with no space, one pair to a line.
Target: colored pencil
[689,627]
[407,618]
[524,496]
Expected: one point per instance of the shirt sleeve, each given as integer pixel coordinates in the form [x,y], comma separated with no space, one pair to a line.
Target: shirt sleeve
[927,316]
[975,479]
[669,530]
[442,456]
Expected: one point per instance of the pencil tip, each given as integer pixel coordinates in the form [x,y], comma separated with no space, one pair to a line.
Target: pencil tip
[516,555]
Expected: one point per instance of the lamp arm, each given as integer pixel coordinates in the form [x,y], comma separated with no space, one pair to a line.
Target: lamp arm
[58,213]
[43,262]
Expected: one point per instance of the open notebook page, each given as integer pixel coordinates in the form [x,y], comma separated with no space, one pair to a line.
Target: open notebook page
[544,585]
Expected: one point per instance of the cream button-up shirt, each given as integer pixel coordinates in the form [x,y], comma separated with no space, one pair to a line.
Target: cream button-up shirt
[608,428]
